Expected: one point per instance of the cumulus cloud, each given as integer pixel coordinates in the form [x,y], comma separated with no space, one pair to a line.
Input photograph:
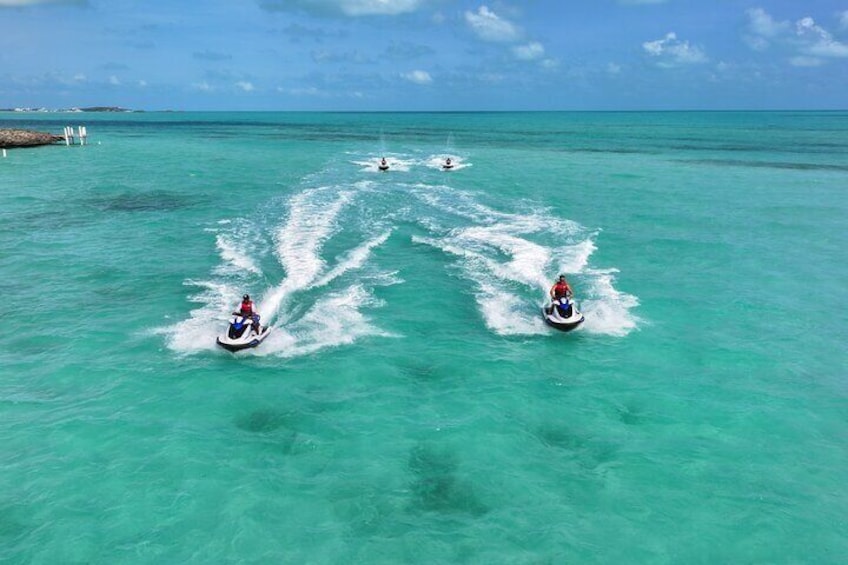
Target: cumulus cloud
[763,29]
[671,52]
[245,86]
[114,81]
[418,77]
[810,41]
[843,20]
[488,26]
[344,7]
[761,24]
[817,41]
[202,86]
[529,52]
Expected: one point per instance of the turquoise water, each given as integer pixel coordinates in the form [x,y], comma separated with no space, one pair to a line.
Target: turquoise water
[410,405]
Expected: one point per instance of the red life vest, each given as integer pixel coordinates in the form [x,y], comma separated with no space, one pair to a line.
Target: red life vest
[247,308]
[560,289]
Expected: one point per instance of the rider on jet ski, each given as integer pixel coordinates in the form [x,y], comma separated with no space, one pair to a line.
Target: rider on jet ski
[560,289]
[246,310]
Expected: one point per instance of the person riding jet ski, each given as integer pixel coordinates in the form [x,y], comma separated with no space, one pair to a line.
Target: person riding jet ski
[560,289]
[243,331]
[246,310]
[562,314]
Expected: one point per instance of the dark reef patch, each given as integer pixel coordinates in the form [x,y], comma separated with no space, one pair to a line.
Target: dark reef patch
[154,201]
[263,421]
[436,486]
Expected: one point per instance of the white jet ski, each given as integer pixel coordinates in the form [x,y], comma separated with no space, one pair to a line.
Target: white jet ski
[242,334]
[562,315]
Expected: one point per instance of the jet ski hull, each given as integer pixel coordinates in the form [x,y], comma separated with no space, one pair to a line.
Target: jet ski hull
[553,318]
[561,326]
[245,342]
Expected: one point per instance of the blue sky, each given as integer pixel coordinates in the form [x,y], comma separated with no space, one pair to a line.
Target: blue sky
[425,54]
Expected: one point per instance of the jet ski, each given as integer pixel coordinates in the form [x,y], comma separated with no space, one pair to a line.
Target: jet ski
[447,165]
[242,334]
[383,166]
[562,315]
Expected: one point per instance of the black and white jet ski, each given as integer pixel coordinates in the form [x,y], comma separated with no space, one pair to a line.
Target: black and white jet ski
[447,165]
[242,334]
[383,166]
[562,315]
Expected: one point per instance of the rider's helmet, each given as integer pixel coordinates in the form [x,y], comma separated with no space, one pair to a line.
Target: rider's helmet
[246,297]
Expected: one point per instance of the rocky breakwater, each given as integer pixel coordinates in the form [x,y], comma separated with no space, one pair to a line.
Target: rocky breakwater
[25,138]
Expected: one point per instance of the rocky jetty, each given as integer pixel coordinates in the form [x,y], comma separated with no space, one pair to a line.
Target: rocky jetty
[26,138]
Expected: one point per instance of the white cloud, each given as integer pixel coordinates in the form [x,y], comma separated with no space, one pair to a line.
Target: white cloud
[529,52]
[305,91]
[490,27]
[142,83]
[613,68]
[114,81]
[202,86]
[80,77]
[818,41]
[418,77]
[762,25]
[810,40]
[843,20]
[802,61]
[245,86]
[672,52]
[344,7]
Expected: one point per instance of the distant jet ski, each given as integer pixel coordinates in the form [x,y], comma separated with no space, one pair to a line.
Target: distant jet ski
[448,164]
[383,166]
[562,315]
[242,333]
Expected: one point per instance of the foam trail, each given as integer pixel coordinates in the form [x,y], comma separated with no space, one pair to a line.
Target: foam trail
[505,313]
[235,255]
[463,205]
[575,258]
[500,248]
[354,259]
[198,332]
[608,311]
[527,260]
[332,322]
[310,223]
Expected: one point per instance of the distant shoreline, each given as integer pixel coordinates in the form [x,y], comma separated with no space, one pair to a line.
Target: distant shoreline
[112,109]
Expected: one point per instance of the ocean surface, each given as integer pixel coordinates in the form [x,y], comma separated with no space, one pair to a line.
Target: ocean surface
[410,406]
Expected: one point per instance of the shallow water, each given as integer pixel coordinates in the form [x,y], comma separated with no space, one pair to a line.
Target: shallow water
[410,405]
